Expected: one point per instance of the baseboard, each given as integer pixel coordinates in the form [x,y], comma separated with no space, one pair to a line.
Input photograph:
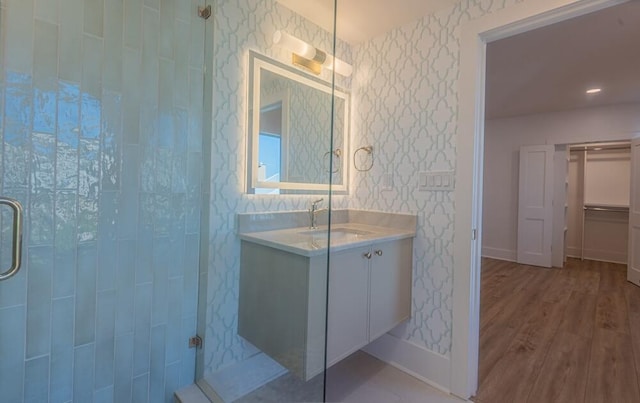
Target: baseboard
[500,254]
[599,255]
[425,365]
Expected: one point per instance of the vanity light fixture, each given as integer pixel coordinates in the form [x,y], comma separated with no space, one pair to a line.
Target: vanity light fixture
[309,56]
[594,90]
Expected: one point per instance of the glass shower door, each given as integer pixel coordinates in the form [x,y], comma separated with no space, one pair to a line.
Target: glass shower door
[101,110]
[262,312]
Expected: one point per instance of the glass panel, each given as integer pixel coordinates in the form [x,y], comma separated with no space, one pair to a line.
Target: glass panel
[262,309]
[101,111]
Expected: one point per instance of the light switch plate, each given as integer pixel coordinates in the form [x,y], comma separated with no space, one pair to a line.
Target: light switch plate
[439,181]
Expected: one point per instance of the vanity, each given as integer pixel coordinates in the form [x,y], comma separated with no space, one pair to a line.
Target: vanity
[283,284]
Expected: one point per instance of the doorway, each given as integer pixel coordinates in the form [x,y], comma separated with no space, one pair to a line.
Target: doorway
[468,243]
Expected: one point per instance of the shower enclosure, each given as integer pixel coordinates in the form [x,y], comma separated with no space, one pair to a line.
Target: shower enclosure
[101,142]
[123,137]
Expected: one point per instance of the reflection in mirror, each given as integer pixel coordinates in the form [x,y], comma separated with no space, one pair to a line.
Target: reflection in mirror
[290,129]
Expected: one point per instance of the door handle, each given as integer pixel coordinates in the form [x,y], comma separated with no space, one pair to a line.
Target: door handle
[16,250]
[367,255]
[379,252]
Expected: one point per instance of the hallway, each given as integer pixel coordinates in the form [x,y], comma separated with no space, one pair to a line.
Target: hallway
[558,335]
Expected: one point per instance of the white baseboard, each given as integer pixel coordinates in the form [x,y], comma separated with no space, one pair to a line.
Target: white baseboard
[425,365]
[599,255]
[500,254]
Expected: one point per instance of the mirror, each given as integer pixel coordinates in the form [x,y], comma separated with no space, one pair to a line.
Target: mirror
[290,125]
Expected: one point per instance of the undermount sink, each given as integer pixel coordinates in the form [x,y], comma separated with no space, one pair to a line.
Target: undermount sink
[336,233]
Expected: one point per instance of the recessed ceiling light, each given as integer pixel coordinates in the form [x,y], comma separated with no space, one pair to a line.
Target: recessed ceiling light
[594,90]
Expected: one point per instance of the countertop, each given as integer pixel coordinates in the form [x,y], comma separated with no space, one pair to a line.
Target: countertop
[313,242]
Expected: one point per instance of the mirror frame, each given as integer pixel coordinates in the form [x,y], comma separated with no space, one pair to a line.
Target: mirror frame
[258,63]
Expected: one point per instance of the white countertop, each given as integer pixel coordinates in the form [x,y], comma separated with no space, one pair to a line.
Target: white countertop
[307,242]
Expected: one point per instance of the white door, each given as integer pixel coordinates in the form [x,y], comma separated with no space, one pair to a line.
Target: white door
[535,211]
[633,268]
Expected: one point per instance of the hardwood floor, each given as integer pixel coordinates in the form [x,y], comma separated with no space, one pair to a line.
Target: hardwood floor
[558,335]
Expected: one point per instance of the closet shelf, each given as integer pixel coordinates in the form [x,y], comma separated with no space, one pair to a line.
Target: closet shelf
[605,207]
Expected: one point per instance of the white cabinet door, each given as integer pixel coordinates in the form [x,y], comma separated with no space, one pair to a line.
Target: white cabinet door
[633,268]
[535,211]
[390,295]
[348,318]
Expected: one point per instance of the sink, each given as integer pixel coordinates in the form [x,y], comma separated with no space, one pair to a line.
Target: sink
[336,233]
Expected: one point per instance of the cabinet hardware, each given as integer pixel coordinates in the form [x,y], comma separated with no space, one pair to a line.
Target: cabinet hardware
[367,255]
[379,252]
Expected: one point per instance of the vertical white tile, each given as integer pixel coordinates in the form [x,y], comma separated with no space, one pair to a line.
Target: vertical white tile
[61,386]
[45,67]
[125,287]
[131,96]
[40,262]
[105,339]
[92,65]
[174,341]
[47,10]
[19,35]
[12,343]
[133,23]
[83,375]
[142,331]
[141,388]
[113,42]
[160,308]
[85,303]
[128,202]
[37,372]
[70,45]
[107,242]
[167,21]
[64,268]
[123,381]
[150,63]
[157,368]
[93,17]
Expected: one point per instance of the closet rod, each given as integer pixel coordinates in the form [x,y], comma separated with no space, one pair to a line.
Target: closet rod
[599,148]
[617,209]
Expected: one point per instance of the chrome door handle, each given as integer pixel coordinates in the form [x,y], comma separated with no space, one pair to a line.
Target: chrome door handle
[379,252]
[367,255]
[16,251]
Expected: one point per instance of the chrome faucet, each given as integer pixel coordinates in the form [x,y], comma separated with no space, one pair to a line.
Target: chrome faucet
[313,212]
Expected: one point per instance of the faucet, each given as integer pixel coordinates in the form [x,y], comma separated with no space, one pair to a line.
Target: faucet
[313,212]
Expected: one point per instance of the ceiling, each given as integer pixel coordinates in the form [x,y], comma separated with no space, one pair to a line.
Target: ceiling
[549,69]
[360,20]
[540,71]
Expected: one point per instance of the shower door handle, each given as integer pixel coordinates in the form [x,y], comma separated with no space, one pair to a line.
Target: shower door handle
[16,249]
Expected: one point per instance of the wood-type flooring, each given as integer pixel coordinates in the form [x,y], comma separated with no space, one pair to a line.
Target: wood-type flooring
[558,335]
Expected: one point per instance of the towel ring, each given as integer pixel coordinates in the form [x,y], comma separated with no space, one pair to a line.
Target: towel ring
[338,153]
[369,151]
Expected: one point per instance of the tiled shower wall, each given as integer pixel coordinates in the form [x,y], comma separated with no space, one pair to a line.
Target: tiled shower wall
[101,137]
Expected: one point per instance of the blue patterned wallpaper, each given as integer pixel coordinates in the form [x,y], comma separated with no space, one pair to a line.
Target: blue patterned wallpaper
[406,104]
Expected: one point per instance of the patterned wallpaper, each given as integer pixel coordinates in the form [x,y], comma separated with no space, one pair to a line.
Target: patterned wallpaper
[404,103]
[241,25]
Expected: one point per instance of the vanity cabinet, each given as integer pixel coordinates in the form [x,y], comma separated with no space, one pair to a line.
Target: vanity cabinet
[282,301]
[369,294]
